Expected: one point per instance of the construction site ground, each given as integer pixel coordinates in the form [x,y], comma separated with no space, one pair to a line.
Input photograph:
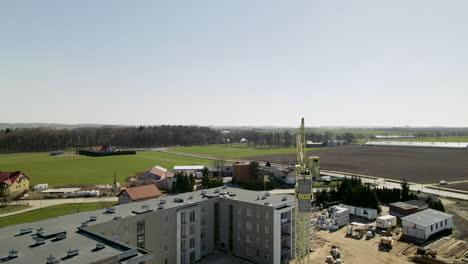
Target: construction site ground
[354,250]
[362,250]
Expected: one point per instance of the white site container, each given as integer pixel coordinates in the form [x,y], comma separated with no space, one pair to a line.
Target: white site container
[386,221]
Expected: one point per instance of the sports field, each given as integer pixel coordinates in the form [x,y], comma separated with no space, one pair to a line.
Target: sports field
[51,212]
[72,169]
[236,150]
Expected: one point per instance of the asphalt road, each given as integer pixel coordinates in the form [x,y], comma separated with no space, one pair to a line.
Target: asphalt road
[37,204]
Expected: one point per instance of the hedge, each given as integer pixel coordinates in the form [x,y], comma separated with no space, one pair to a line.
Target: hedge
[102,154]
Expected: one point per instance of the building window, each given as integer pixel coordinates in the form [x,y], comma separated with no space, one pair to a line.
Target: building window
[258,214]
[249,212]
[267,215]
[192,216]
[141,233]
[437,225]
[248,225]
[202,235]
[445,221]
[192,256]
[182,245]
[192,243]
[183,217]
[202,219]
[440,223]
[182,232]
[266,229]
[247,237]
[203,210]
[203,246]
[432,228]
[239,210]
[267,244]
[192,229]
[258,227]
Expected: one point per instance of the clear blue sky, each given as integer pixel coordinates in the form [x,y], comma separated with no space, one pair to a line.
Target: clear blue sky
[239,62]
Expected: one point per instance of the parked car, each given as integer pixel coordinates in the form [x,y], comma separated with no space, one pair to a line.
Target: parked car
[443,183]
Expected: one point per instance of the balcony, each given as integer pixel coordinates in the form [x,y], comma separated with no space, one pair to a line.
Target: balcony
[285,249]
[285,235]
[285,221]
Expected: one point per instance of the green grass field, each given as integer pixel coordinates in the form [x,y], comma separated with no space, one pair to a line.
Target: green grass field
[51,212]
[235,150]
[12,208]
[57,170]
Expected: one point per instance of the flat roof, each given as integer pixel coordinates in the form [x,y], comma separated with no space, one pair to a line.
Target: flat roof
[427,217]
[403,205]
[194,167]
[385,217]
[72,223]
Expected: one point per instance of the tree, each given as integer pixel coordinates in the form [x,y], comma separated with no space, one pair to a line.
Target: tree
[254,170]
[348,137]
[404,191]
[268,164]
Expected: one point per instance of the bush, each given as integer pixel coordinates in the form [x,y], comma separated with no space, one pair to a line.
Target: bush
[258,186]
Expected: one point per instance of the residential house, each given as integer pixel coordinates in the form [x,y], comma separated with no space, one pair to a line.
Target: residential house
[155,173]
[138,193]
[14,182]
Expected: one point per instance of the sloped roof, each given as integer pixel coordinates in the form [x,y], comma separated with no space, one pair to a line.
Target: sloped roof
[170,174]
[142,192]
[10,177]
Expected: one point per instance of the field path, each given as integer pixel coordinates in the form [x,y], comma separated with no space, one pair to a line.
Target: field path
[37,204]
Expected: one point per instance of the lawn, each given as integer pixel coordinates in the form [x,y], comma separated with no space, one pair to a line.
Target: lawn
[12,208]
[57,170]
[235,150]
[51,212]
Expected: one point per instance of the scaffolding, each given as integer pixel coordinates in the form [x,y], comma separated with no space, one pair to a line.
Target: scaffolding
[305,170]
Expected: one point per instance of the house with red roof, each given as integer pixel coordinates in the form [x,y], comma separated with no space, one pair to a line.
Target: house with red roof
[156,173]
[139,193]
[13,182]
[160,176]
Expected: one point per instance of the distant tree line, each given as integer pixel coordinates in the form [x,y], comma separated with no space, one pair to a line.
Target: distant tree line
[48,139]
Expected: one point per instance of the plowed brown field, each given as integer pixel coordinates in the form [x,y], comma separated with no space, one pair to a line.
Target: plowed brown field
[421,165]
